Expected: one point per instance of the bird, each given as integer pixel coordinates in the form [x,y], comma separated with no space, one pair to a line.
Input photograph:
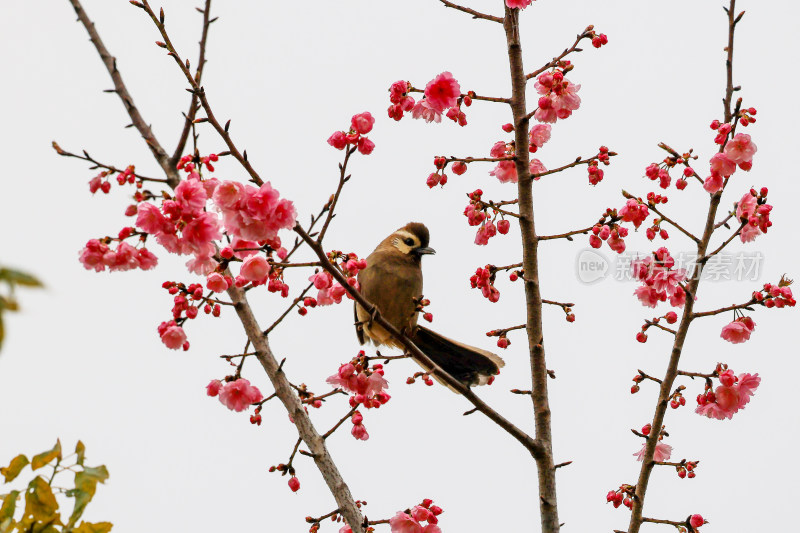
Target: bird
[392,281]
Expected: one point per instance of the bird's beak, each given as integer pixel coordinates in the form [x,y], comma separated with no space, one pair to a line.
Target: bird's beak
[424,251]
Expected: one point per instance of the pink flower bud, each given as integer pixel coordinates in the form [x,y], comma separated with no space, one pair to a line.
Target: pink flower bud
[696,521]
[294,484]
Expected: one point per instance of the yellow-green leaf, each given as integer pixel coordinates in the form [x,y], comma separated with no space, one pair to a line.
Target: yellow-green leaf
[99,473]
[18,278]
[14,468]
[85,487]
[43,458]
[98,527]
[80,450]
[40,503]
[9,505]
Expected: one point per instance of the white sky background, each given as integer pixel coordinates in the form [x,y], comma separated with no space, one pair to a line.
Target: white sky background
[83,360]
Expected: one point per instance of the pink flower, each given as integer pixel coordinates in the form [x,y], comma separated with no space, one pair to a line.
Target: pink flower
[362,122]
[365,146]
[150,219]
[216,282]
[202,264]
[499,149]
[746,207]
[201,231]
[740,149]
[486,232]
[255,268]
[191,195]
[748,383]
[228,194]
[647,295]
[213,388]
[359,431]
[92,255]
[321,280]
[146,259]
[173,336]
[505,171]
[518,4]
[403,523]
[423,110]
[713,183]
[662,453]
[634,212]
[696,521]
[720,164]
[442,92]
[536,167]
[338,140]
[238,395]
[262,202]
[540,134]
[738,331]
[728,399]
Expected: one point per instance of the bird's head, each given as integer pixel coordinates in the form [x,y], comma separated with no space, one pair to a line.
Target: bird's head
[412,240]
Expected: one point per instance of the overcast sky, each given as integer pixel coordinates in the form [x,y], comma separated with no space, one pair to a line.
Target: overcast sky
[83,359]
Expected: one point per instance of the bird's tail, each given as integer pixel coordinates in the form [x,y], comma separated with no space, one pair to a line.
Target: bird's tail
[468,364]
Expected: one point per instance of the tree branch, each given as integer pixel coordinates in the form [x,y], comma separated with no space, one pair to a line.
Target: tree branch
[119,87]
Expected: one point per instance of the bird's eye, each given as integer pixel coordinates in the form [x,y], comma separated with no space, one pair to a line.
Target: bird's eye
[409,241]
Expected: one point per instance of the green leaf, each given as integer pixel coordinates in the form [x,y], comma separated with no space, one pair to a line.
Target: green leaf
[43,458]
[99,473]
[80,450]
[40,503]
[14,468]
[98,527]
[18,278]
[85,487]
[9,505]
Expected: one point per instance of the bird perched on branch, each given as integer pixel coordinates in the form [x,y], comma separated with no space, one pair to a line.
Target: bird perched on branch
[393,282]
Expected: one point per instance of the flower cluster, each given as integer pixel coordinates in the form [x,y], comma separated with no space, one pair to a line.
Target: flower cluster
[360,125]
[237,395]
[732,394]
[442,95]
[331,291]
[506,170]
[776,295]
[612,233]
[660,281]
[559,96]
[738,152]
[753,211]
[100,182]
[476,213]
[623,495]
[366,384]
[97,255]
[410,521]
[172,335]
[183,295]
[483,279]
[595,172]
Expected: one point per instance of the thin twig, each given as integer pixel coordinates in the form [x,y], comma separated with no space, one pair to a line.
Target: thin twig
[475,14]
[122,91]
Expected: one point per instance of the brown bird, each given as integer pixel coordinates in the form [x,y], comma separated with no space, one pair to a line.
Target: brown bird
[393,282]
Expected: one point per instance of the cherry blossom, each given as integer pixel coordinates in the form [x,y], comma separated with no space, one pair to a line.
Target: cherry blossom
[239,395]
[739,330]
[518,4]
[442,92]
[662,453]
[729,397]
[740,149]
